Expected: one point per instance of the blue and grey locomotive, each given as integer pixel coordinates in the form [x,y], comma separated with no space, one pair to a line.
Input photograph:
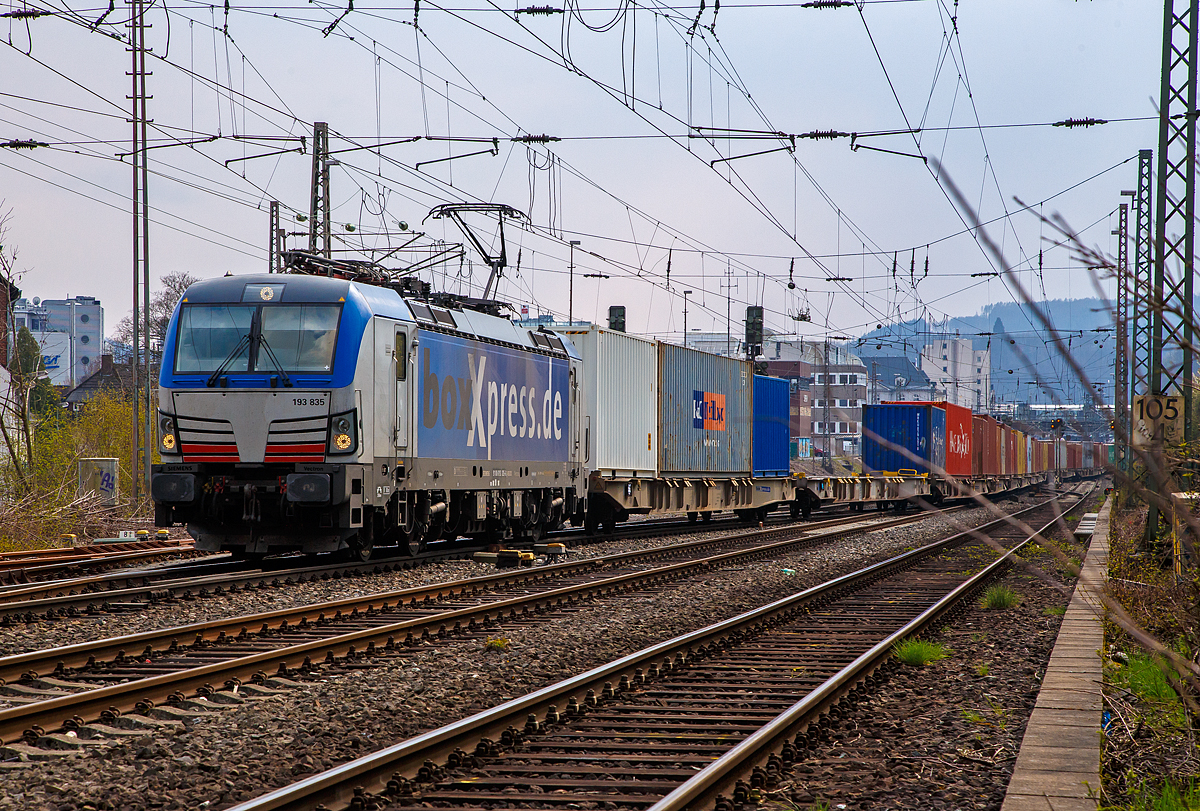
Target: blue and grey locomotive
[308,413]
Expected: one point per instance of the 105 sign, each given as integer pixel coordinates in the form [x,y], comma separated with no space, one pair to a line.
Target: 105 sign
[1157,418]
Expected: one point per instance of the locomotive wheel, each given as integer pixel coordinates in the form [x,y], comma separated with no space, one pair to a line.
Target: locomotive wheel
[415,543]
[591,522]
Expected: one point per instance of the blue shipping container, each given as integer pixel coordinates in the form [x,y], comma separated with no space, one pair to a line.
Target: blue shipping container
[705,413]
[771,430]
[896,433]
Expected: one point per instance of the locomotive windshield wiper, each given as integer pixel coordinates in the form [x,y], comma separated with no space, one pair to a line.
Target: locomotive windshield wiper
[262,343]
[242,343]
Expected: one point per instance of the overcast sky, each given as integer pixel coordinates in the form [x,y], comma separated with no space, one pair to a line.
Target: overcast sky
[623,86]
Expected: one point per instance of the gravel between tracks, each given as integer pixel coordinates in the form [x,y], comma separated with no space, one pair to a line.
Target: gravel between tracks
[238,753]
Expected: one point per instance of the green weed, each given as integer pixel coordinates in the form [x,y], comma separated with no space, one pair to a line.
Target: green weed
[983,670]
[1145,677]
[972,717]
[1167,797]
[918,652]
[999,597]
[1055,610]
[497,644]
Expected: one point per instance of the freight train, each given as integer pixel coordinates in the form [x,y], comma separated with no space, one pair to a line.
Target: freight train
[319,414]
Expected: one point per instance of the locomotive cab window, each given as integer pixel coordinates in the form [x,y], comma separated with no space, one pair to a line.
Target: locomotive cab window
[301,336]
[401,355]
[209,334]
[241,338]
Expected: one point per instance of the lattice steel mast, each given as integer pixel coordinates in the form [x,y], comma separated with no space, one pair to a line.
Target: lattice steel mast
[1174,245]
[1142,281]
[1121,379]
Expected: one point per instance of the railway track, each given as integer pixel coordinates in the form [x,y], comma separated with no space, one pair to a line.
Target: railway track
[33,565]
[141,588]
[701,721]
[67,687]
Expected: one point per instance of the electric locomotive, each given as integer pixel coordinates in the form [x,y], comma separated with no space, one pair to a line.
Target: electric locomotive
[310,413]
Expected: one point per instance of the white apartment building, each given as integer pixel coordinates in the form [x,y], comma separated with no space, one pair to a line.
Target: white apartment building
[70,332]
[960,373]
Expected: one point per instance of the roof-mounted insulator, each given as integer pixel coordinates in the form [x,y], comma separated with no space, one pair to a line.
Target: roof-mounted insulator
[826,4]
[1071,123]
[823,135]
[27,144]
[535,139]
[545,10]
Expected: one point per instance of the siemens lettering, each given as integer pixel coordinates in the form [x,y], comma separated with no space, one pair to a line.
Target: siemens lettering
[708,410]
[488,402]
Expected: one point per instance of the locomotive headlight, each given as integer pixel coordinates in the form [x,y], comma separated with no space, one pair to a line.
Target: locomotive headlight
[342,434]
[166,434]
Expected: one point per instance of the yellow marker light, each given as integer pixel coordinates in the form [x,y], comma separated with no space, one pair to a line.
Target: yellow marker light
[168,442]
[342,442]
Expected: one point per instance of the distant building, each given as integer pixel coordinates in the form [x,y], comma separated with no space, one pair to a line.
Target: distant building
[961,373]
[896,378]
[111,377]
[70,332]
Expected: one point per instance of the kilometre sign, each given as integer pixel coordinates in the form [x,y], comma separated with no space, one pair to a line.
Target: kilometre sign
[1157,418]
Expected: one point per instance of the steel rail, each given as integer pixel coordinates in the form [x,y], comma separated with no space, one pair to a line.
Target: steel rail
[52,553]
[96,561]
[18,601]
[47,598]
[16,722]
[124,585]
[338,786]
[76,592]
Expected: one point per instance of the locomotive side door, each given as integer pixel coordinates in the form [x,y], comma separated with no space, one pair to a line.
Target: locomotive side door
[576,403]
[383,395]
[400,375]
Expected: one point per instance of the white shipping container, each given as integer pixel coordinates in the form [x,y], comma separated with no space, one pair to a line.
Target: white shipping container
[620,383]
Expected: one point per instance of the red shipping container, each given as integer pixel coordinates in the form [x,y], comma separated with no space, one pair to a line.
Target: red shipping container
[959,435]
[1076,455]
[1043,452]
[985,445]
